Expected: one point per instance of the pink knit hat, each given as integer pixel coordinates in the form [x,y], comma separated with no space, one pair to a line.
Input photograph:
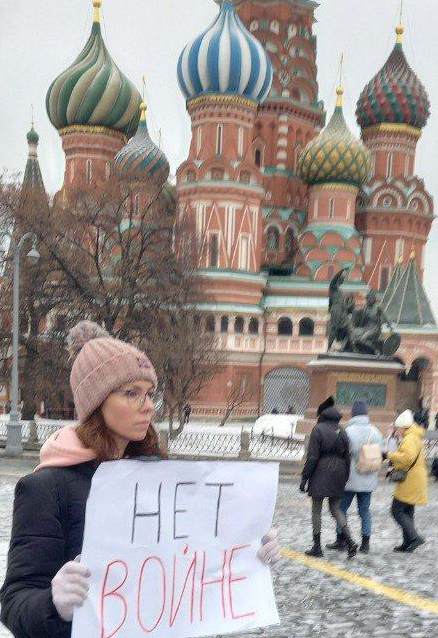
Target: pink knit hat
[102,365]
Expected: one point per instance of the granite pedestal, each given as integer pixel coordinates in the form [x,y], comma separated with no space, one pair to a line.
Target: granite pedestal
[349,378]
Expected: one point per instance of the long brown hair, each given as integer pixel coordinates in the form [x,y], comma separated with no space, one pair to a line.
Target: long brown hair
[94,434]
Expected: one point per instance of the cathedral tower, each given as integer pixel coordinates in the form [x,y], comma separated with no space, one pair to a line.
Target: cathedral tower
[224,75]
[395,211]
[334,165]
[95,108]
[33,180]
[287,120]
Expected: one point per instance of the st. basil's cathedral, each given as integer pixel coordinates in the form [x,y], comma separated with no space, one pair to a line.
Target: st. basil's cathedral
[277,201]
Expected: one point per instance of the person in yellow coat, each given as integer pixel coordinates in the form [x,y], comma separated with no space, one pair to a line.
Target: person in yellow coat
[409,457]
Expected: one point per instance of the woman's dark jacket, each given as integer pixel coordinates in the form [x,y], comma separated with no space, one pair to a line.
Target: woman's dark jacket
[327,467]
[47,532]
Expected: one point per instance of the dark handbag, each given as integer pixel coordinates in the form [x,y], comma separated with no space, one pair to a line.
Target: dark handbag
[398,476]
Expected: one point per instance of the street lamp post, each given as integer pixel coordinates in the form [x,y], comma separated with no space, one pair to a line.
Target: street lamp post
[14,443]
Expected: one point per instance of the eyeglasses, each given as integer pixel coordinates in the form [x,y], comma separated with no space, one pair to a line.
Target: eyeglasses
[137,399]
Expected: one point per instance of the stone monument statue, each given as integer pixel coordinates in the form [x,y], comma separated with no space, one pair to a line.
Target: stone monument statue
[358,331]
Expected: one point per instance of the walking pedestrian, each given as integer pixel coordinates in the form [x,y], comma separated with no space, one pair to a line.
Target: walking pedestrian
[113,386]
[410,473]
[434,470]
[360,484]
[187,413]
[326,471]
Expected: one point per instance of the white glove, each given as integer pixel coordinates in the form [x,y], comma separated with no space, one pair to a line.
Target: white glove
[70,588]
[269,553]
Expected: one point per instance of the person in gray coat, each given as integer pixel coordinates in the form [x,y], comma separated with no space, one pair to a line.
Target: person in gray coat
[359,432]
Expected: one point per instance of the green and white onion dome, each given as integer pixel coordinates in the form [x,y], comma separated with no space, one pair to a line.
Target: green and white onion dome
[336,155]
[141,159]
[93,91]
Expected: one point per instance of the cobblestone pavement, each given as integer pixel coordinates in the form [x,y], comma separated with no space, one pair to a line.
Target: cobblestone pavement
[312,604]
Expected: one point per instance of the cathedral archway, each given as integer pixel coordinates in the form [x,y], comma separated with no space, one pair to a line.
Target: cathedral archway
[284,388]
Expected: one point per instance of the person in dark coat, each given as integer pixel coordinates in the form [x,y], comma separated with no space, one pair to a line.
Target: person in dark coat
[326,472]
[113,385]
[187,413]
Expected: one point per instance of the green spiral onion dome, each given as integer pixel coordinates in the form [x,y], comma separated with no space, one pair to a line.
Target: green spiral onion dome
[335,155]
[395,95]
[93,91]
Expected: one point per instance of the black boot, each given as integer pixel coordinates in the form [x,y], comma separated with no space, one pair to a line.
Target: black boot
[365,546]
[316,550]
[351,545]
[402,547]
[340,543]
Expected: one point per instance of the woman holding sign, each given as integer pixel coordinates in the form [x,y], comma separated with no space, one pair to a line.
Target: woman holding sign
[113,387]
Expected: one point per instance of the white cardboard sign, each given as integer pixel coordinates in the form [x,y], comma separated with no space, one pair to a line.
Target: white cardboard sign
[172,547]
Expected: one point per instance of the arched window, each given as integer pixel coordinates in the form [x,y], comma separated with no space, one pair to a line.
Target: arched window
[219,139]
[191,176]
[224,324]
[253,326]
[107,170]
[296,95]
[289,243]
[272,238]
[213,256]
[240,142]
[199,139]
[244,177]
[307,327]
[331,208]
[88,169]
[217,174]
[384,279]
[72,170]
[389,165]
[330,272]
[285,327]
[196,322]
[258,157]
[238,325]
[210,324]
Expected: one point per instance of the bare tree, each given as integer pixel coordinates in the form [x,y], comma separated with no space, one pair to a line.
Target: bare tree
[186,359]
[120,260]
[239,393]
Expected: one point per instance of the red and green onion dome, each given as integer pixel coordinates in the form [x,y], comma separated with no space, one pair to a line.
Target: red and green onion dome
[335,156]
[93,91]
[141,159]
[395,95]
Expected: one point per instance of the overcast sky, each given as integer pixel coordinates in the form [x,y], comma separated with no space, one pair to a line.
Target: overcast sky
[40,38]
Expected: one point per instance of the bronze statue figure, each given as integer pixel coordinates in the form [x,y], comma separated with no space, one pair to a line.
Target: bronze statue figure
[358,331]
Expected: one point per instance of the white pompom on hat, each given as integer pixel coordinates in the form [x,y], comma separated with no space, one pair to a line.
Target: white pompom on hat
[102,365]
[405,420]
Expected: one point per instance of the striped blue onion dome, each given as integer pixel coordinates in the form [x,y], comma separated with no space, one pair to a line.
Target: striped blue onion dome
[141,159]
[225,59]
[93,91]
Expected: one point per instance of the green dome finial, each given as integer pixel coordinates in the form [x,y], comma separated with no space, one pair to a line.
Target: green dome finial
[32,136]
[93,91]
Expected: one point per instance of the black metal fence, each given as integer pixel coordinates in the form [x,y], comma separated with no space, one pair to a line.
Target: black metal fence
[229,444]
